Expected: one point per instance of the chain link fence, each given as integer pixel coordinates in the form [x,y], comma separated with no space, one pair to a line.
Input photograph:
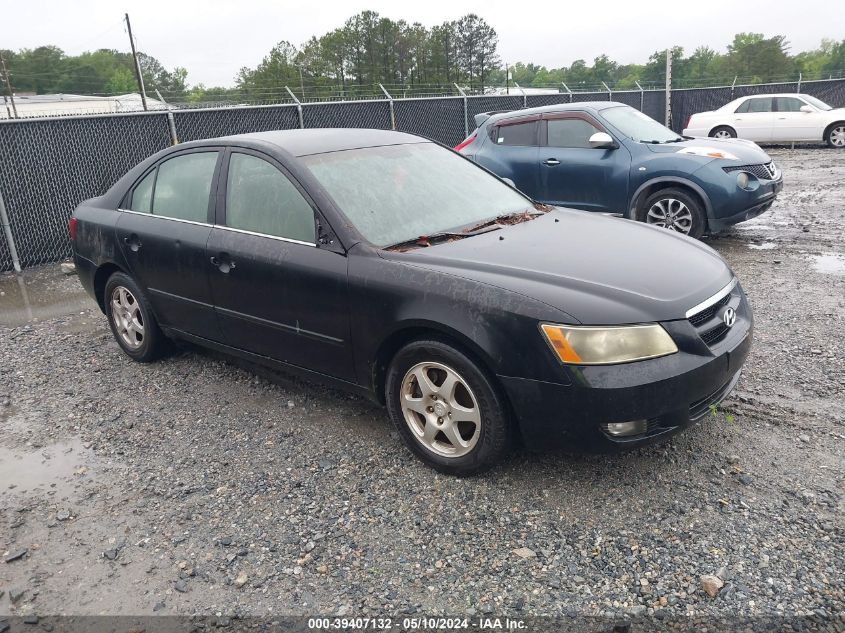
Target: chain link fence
[48,166]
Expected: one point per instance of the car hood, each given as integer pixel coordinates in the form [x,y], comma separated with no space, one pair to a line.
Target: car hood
[598,269]
[748,152]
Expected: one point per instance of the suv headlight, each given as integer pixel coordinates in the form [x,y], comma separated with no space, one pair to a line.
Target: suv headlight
[606,345]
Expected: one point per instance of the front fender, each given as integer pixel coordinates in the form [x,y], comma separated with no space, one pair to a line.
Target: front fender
[677,180]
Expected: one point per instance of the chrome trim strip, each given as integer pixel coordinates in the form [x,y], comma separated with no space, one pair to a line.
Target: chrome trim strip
[714,299]
[219,226]
[272,237]
[164,217]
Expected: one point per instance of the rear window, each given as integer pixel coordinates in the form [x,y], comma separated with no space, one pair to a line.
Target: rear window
[516,134]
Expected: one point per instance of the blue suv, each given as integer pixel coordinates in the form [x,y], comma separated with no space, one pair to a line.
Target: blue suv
[609,157]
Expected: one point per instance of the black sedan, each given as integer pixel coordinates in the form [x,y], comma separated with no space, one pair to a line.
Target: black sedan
[390,266]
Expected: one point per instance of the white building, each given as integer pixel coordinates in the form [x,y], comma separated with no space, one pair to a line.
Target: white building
[29,106]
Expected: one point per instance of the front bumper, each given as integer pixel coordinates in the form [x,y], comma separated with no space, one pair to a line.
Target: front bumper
[746,206]
[670,393]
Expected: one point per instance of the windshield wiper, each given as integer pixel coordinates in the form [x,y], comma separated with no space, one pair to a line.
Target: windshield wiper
[506,218]
[424,241]
[676,140]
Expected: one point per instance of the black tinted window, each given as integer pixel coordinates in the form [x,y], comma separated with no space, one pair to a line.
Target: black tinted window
[517,134]
[143,194]
[789,104]
[260,198]
[183,186]
[570,133]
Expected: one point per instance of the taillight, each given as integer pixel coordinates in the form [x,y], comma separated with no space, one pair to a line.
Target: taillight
[469,139]
[71,225]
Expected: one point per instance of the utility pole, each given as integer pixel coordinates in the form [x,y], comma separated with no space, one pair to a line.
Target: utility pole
[301,84]
[137,64]
[8,83]
[668,87]
[507,79]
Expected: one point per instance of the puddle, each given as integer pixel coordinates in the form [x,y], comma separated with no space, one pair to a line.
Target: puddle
[43,293]
[60,467]
[829,263]
[765,246]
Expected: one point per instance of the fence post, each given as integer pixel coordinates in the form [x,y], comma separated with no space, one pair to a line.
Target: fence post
[10,240]
[733,85]
[524,97]
[800,76]
[171,121]
[298,108]
[565,87]
[392,113]
[642,96]
[466,111]
[609,93]
[668,121]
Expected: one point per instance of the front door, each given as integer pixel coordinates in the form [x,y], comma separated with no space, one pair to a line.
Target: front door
[753,119]
[790,124]
[163,235]
[573,174]
[276,292]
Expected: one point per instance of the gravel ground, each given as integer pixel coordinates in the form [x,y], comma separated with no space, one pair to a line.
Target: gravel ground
[197,486]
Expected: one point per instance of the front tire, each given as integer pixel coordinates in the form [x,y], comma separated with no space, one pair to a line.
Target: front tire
[723,131]
[131,319]
[835,135]
[675,210]
[446,409]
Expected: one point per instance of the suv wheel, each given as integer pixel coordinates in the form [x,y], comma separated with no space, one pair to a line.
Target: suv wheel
[446,409]
[132,322]
[675,210]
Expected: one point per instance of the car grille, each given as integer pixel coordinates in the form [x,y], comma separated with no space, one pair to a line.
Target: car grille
[708,325]
[763,171]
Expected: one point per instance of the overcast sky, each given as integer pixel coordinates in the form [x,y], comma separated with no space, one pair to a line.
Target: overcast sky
[214,38]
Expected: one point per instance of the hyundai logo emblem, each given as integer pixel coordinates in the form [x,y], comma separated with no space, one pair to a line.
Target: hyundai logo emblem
[729,317]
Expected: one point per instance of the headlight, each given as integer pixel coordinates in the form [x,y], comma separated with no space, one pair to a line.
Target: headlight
[590,345]
[709,152]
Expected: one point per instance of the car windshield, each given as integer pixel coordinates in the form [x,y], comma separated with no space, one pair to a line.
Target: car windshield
[397,193]
[639,127]
[821,105]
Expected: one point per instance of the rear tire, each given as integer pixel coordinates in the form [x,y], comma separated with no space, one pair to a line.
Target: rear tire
[446,409]
[723,131]
[676,210]
[131,319]
[834,136]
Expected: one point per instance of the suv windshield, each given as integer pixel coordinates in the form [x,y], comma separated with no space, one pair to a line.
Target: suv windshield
[639,127]
[821,105]
[396,193]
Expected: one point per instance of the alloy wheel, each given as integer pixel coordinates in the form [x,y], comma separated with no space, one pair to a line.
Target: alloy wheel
[672,214]
[722,134]
[837,136]
[440,409]
[127,317]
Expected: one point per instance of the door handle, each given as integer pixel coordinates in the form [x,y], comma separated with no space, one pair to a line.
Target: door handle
[132,242]
[224,263]
[551,162]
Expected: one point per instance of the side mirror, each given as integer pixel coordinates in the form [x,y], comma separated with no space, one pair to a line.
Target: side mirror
[806,108]
[602,140]
[509,182]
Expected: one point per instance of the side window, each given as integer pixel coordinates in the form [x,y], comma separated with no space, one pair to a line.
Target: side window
[789,104]
[142,195]
[570,132]
[183,186]
[260,198]
[760,105]
[743,107]
[517,134]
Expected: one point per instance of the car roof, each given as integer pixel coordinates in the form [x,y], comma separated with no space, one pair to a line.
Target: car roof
[317,140]
[558,107]
[774,94]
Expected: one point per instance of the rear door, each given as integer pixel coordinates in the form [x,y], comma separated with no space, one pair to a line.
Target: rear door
[163,231]
[574,174]
[512,152]
[276,291]
[753,119]
[790,124]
